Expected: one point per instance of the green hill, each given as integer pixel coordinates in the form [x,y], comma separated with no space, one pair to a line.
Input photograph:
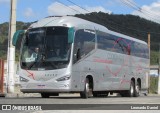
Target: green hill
[4,28]
[126,24]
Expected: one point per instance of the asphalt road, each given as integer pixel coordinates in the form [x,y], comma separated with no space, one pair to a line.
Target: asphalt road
[73,101]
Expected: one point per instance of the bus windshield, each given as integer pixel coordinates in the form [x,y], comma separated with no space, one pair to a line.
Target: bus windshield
[45,48]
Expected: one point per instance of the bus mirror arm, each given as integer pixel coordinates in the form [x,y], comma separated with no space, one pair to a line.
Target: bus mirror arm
[77,56]
[74,58]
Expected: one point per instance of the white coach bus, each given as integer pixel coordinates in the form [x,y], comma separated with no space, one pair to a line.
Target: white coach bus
[69,54]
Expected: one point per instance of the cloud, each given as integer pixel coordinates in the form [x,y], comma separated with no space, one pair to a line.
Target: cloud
[150,12]
[97,9]
[29,13]
[57,8]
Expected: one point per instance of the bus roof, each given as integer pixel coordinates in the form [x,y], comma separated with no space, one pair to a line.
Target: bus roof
[71,21]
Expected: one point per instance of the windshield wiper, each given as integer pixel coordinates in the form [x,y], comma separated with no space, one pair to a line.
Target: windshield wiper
[30,66]
[39,58]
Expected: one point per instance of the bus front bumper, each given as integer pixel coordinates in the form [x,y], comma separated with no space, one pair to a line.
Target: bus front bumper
[45,87]
[45,90]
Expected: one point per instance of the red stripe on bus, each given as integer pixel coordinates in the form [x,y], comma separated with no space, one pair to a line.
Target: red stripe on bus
[103,61]
[30,74]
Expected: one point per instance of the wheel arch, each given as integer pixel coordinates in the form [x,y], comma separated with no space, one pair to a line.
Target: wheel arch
[91,82]
[133,79]
[139,82]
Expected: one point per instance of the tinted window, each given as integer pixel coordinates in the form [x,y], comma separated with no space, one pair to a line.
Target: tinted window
[105,41]
[139,50]
[121,45]
[112,43]
[84,41]
[46,48]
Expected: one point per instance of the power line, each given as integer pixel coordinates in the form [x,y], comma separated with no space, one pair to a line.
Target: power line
[140,9]
[63,5]
[88,12]
[146,32]
[68,6]
[112,22]
[71,8]
[79,6]
[134,6]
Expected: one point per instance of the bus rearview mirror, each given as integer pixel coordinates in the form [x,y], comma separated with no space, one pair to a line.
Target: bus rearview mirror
[70,35]
[17,36]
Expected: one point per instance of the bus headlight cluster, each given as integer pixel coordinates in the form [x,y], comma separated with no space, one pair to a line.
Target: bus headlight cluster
[63,78]
[23,79]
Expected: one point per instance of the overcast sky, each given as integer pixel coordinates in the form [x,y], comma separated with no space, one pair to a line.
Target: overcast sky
[33,10]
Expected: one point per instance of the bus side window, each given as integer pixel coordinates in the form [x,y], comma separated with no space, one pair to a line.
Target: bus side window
[83,44]
[105,41]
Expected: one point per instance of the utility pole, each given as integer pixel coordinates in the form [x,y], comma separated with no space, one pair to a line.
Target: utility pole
[159,71]
[149,46]
[11,48]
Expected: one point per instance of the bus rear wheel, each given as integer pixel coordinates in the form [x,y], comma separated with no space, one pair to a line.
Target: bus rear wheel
[87,90]
[130,92]
[137,90]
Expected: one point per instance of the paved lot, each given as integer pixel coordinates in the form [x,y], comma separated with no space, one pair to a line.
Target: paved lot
[65,99]
[75,99]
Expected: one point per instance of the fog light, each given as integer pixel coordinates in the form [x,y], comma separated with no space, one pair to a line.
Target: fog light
[23,79]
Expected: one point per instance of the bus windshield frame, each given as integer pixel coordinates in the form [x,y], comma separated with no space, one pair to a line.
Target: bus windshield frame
[45,48]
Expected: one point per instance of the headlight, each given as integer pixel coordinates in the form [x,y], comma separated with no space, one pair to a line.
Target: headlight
[23,79]
[63,78]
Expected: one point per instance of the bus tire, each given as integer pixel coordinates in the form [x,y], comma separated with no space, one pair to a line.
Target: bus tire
[85,93]
[131,90]
[45,95]
[137,90]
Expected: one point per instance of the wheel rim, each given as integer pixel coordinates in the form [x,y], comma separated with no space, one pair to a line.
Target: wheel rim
[137,89]
[132,90]
[87,88]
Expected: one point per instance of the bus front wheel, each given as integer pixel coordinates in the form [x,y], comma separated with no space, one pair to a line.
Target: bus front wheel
[86,92]
[130,92]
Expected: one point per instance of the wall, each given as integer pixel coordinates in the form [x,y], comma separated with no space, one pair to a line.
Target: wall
[16,77]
